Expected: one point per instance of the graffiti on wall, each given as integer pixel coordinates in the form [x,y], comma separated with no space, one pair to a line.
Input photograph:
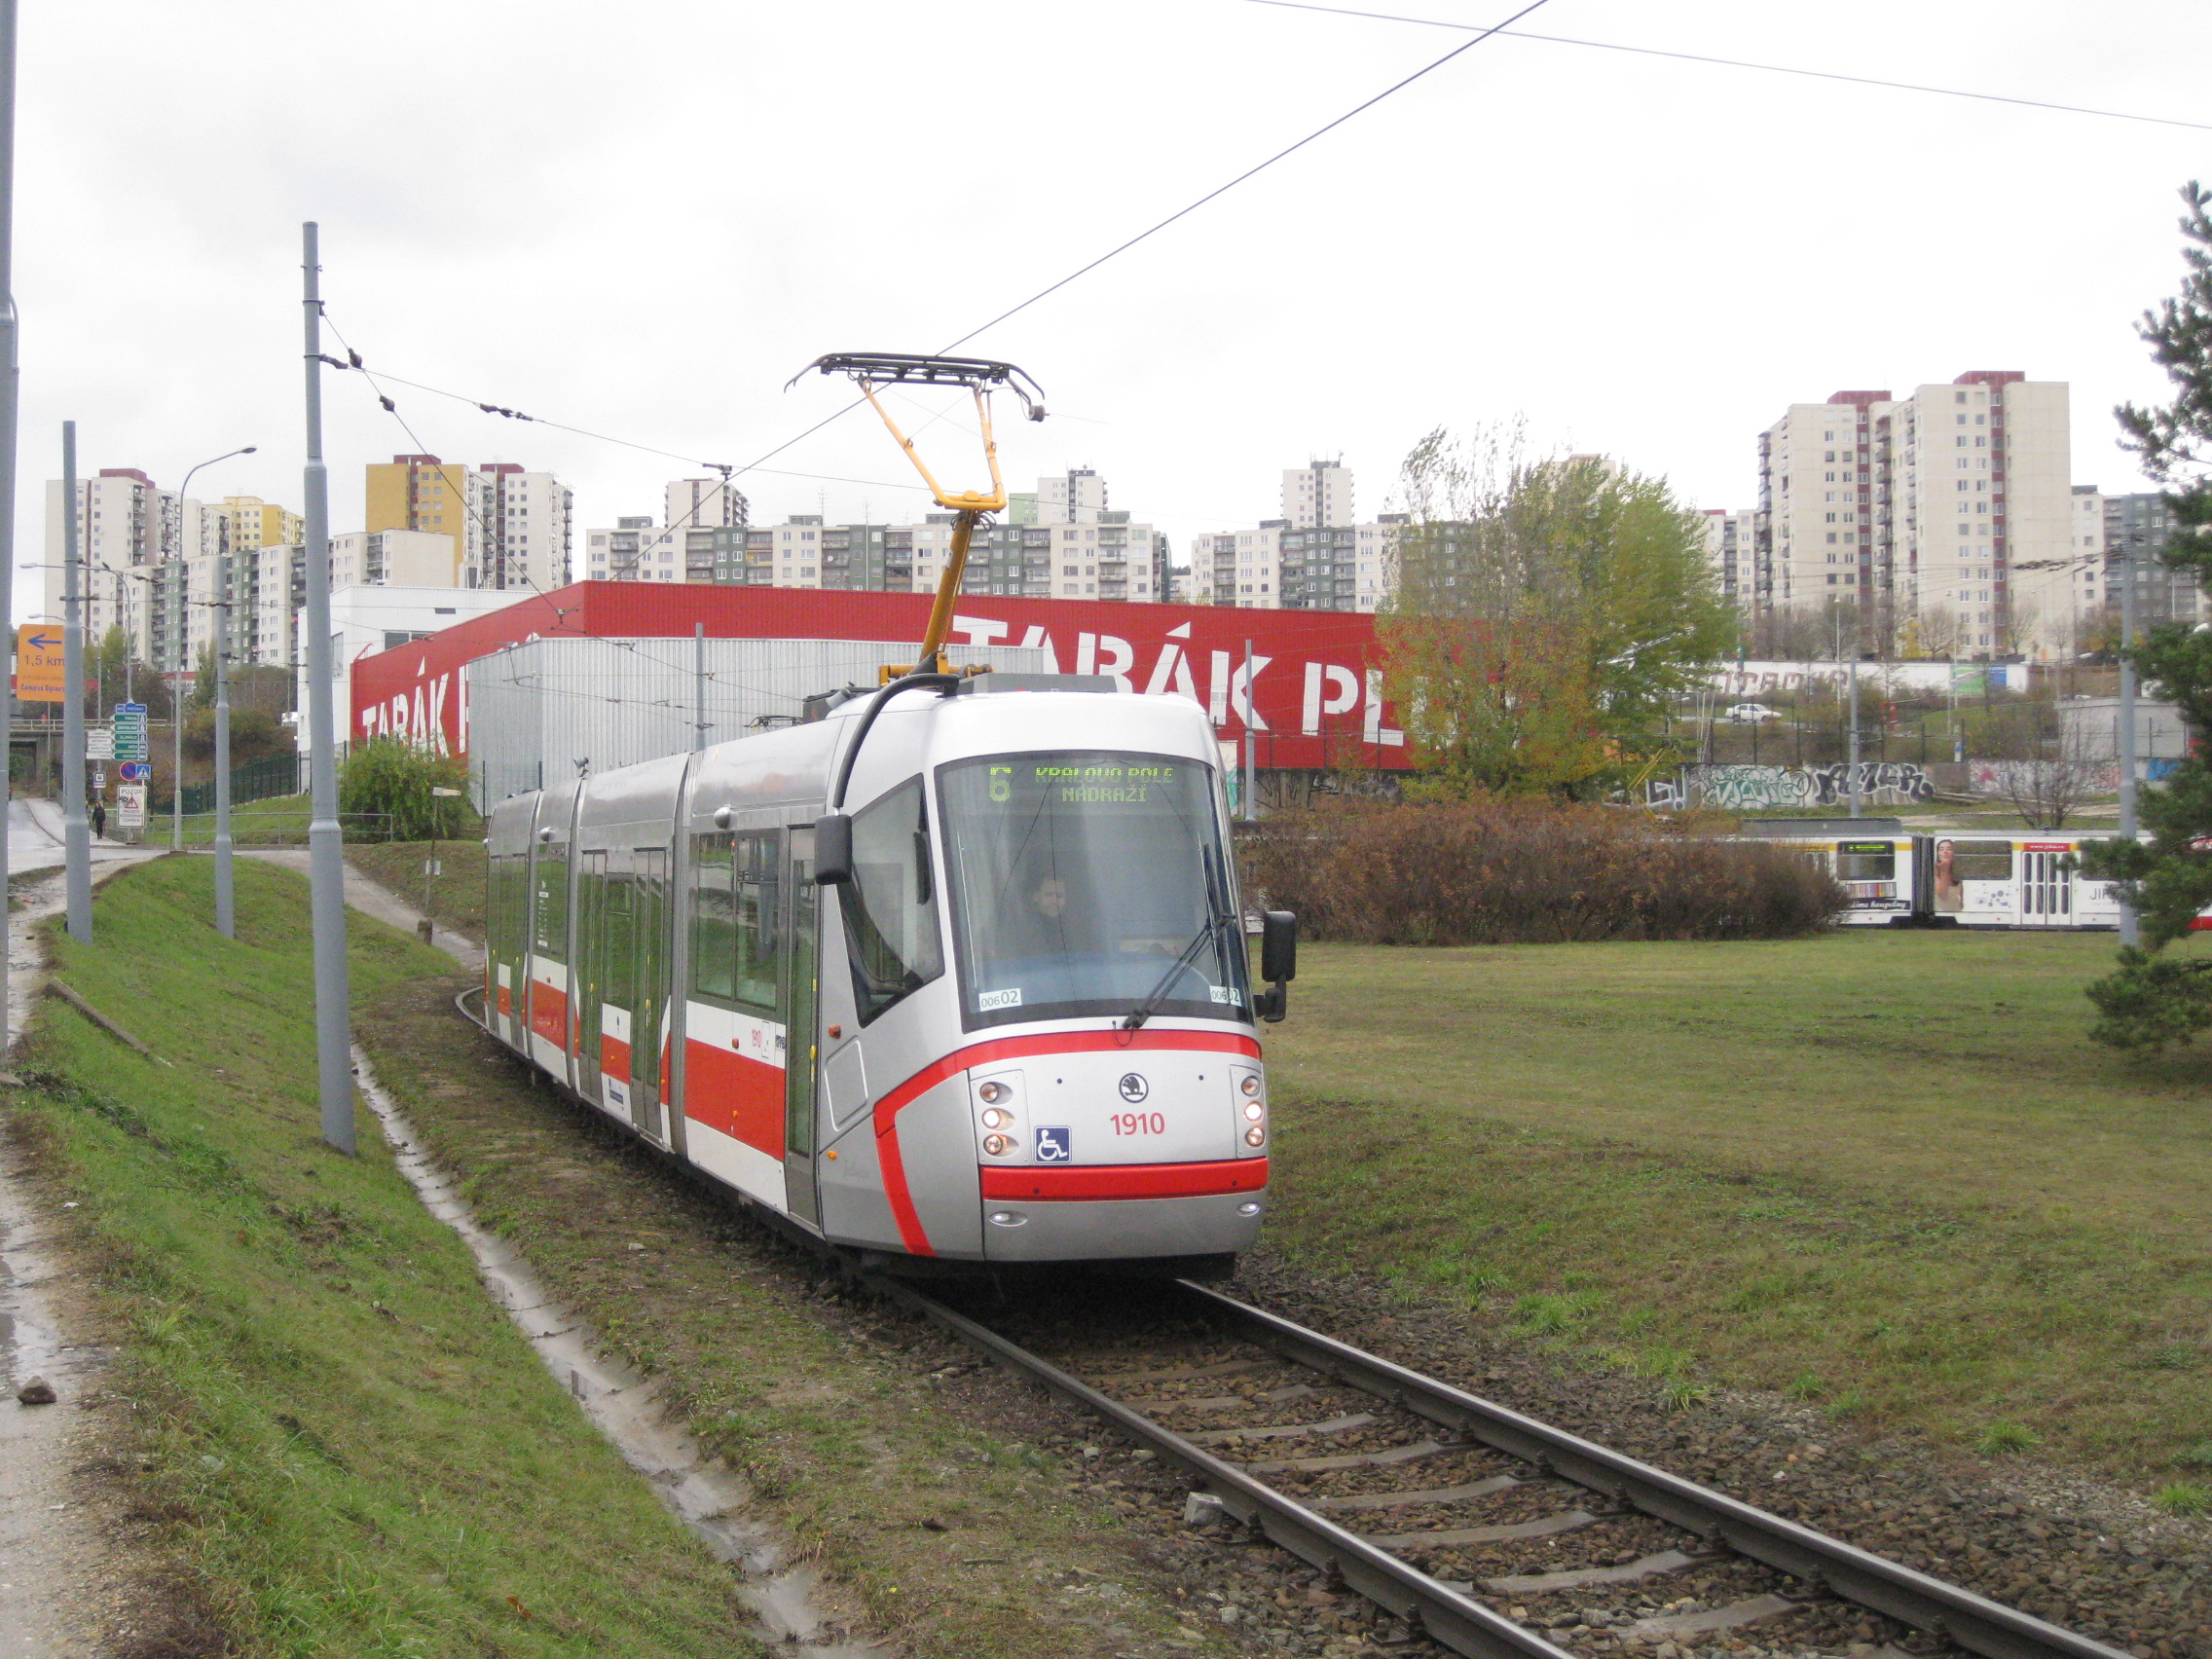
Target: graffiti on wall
[1749,788]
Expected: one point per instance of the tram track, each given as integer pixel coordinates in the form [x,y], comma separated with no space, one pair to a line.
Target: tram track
[1486,1531]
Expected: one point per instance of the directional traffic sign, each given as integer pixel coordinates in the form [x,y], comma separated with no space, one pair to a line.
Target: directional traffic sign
[99,742]
[38,663]
[130,731]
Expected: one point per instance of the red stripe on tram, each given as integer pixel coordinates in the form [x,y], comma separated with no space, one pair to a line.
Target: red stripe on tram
[1053,1183]
[912,1233]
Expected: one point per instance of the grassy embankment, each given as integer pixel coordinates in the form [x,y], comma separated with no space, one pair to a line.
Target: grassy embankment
[1880,1171]
[455,894]
[363,1455]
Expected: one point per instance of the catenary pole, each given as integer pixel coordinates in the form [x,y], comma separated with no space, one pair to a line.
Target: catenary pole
[699,683]
[8,357]
[76,833]
[1251,758]
[326,867]
[226,905]
[1853,730]
[2130,930]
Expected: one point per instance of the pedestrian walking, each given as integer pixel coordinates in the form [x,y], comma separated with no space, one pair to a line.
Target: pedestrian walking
[99,821]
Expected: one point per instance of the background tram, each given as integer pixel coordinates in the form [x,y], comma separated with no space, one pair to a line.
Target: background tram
[995,1009]
[1963,878]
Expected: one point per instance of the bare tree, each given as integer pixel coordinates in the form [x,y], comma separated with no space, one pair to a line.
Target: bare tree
[1937,632]
[2016,632]
[2066,765]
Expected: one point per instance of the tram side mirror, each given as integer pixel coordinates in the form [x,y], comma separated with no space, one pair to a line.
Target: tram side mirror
[833,849]
[1278,964]
[1278,946]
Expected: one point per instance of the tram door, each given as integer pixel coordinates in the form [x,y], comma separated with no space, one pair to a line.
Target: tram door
[2046,890]
[649,1000]
[592,965]
[800,1007]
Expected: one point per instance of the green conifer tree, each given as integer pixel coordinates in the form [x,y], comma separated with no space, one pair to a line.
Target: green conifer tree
[2157,997]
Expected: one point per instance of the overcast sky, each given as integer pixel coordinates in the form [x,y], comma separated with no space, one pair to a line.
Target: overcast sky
[643,219]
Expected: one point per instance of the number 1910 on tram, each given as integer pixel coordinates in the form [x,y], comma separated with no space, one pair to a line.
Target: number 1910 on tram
[957,972]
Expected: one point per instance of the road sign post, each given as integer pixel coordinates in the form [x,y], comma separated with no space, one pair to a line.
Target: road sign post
[130,732]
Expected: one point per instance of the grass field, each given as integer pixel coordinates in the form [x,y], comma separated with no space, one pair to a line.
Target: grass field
[360,1454]
[1883,1171]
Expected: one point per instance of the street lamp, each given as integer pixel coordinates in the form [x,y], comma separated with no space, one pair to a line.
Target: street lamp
[176,669]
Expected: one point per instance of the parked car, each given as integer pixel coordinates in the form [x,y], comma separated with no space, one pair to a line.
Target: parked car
[1753,712]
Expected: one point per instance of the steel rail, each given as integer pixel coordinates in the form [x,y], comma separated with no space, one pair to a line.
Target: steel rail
[1972,1621]
[1443,1614]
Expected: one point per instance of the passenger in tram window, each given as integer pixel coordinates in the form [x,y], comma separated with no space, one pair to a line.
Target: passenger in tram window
[1949,894]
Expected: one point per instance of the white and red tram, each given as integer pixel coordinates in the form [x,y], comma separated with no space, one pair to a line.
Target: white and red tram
[957,972]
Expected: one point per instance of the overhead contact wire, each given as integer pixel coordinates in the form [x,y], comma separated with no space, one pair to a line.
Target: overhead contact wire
[1740,63]
[1249,173]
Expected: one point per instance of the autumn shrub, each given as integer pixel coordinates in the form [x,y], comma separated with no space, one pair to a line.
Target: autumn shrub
[1518,871]
[392,776]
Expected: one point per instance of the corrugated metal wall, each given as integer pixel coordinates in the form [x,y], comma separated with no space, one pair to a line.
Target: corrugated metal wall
[537,708]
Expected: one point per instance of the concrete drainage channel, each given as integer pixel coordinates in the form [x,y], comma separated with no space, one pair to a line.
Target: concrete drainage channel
[708,1499]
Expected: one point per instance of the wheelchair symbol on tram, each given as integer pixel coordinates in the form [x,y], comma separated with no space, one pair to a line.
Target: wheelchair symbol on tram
[1052,1146]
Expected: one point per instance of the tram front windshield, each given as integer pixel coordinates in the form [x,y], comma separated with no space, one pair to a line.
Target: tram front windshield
[1089,883]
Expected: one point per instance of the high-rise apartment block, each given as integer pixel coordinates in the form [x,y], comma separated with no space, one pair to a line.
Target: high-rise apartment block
[510,527]
[1318,496]
[1731,543]
[248,521]
[1902,521]
[706,503]
[1065,543]
[151,560]
[1314,557]
[1075,497]
[2139,526]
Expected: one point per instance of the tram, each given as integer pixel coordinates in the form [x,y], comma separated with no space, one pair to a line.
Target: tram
[994,1006]
[1949,878]
[954,972]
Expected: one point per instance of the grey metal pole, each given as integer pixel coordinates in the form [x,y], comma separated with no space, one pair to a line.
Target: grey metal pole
[76,833]
[2130,928]
[177,726]
[226,908]
[1854,694]
[699,683]
[8,379]
[1251,760]
[326,852]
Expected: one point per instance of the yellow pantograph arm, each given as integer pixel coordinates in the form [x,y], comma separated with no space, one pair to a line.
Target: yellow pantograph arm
[968,501]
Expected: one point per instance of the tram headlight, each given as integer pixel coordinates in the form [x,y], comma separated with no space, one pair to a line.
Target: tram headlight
[998,1146]
[991,1093]
[1254,1111]
[993,1117]
[1250,1085]
[1255,1136]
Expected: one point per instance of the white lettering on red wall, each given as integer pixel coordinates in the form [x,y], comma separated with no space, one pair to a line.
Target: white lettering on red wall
[1311,694]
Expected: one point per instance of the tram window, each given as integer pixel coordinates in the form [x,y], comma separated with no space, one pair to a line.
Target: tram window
[1866,860]
[1091,882]
[733,918]
[890,906]
[753,868]
[1982,861]
[503,922]
[551,933]
[714,921]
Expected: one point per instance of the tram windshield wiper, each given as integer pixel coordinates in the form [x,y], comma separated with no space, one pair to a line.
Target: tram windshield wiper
[1210,929]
